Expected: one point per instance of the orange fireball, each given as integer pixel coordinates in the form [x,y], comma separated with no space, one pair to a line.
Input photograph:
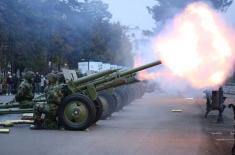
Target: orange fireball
[197,46]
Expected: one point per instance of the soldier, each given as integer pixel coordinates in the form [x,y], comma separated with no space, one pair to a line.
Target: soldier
[9,84]
[45,114]
[42,84]
[215,101]
[1,83]
[37,82]
[24,93]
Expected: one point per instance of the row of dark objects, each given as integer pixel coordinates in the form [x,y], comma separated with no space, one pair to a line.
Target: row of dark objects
[116,100]
[108,102]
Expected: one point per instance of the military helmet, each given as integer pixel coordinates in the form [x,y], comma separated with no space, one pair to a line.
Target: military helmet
[29,75]
[52,78]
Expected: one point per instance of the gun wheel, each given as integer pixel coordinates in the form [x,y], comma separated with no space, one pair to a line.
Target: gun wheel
[108,104]
[99,109]
[119,99]
[77,112]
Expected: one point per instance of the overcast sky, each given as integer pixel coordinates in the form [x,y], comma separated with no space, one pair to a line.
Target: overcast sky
[132,12]
[230,14]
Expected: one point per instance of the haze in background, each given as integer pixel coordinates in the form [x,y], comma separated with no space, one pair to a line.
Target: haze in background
[132,12]
[230,14]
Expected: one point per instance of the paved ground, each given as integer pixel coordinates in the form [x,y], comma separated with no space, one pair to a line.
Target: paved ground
[146,127]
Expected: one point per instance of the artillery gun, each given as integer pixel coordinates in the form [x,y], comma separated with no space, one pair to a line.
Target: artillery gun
[81,105]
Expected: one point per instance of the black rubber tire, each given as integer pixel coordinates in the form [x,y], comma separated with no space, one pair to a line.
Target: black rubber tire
[125,96]
[140,90]
[90,106]
[109,103]
[118,94]
[134,91]
[99,109]
[129,93]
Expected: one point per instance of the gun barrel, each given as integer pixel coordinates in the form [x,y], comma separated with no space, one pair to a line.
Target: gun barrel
[116,83]
[15,111]
[137,69]
[93,76]
[115,75]
[128,72]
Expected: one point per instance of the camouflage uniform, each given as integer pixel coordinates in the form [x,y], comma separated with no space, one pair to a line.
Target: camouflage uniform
[45,114]
[60,78]
[24,93]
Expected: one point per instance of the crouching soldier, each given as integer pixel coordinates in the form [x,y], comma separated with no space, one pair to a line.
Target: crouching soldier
[45,114]
[24,93]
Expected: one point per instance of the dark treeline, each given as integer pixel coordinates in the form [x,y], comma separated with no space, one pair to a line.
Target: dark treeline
[36,32]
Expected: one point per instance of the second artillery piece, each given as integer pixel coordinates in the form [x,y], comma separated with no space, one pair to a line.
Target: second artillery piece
[75,105]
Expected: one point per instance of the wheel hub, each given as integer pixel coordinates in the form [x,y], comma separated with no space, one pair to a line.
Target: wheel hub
[76,112]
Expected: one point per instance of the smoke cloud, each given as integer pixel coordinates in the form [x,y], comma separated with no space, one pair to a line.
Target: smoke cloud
[196,48]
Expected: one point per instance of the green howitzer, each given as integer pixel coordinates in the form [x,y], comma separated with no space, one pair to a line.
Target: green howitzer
[79,107]
[128,76]
[115,79]
[12,107]
[116,83]
[94,76]
[83,95]
[42,98]
[125,73]
[129,72]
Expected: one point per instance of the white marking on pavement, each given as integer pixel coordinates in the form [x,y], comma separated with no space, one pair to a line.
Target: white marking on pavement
[224,139]
[4,130]
[176,110]
[189,98]
[216,133]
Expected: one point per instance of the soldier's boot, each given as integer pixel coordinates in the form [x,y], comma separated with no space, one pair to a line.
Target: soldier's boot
[38,117]
[35,127]
[50,124]
[37,124]
[220,116]
[207,112]
[208,107]
[220,119]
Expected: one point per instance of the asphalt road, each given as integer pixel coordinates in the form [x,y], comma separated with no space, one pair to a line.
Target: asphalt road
[146,127]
